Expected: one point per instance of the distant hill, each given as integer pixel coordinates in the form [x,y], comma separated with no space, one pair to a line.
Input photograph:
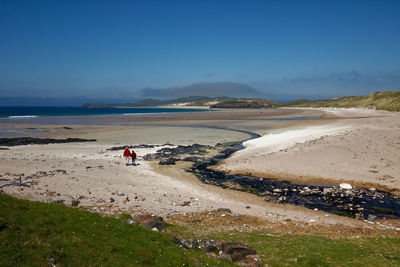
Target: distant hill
[181,101]
[215,89]
[387,100]
[246,103]
[379,100]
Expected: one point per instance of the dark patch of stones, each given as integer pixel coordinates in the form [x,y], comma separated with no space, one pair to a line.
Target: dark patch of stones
[19,141]
[169,161]
[40,174]
[237,252]
[135,146]
[176,152]
[356,202]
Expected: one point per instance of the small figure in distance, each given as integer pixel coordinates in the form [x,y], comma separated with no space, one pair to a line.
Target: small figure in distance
[133,156]
[127,154]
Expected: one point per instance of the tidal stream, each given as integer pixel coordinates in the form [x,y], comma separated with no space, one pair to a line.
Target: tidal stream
[359,203]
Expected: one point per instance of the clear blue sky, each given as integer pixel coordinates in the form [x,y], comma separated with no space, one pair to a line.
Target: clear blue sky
[115,48]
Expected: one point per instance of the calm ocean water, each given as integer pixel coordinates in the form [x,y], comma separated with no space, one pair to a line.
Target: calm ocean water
[32,112]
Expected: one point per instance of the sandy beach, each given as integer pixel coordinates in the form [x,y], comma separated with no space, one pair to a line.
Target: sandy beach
[356,146]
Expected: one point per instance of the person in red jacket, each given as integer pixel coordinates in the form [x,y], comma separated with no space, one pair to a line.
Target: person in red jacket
[127,154]
[133,156]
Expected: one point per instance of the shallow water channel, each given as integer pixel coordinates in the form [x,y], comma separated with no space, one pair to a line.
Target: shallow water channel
[359,203]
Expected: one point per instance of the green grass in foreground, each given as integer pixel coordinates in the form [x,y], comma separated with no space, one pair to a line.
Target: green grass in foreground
[307,250]
[33,232]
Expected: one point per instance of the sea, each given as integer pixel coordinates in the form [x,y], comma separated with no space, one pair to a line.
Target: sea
[20,112]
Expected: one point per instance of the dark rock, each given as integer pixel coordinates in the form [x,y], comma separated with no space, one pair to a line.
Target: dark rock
[206,245]
[148,221]
[225,210]
[238,250]
[61,171]
[112,199]
[194,159]
[179,242]
[19,141]
[75,203]
[130,147]
[186,203]
[170,161]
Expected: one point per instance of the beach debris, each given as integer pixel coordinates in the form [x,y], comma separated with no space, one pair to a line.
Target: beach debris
[121,194]
[345,186]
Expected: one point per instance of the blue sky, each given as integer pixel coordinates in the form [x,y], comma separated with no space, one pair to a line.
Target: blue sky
[115,48]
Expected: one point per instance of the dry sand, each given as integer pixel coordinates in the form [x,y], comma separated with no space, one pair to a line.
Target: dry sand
[358,150]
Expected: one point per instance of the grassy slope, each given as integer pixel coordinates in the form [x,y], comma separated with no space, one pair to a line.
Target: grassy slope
[33,232]
[380,100]
[309,250]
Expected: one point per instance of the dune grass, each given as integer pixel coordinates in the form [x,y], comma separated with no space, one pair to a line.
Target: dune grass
[31,233]
[387,100]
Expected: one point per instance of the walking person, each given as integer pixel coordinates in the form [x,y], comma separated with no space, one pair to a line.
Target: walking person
[133,156]
[127,155]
